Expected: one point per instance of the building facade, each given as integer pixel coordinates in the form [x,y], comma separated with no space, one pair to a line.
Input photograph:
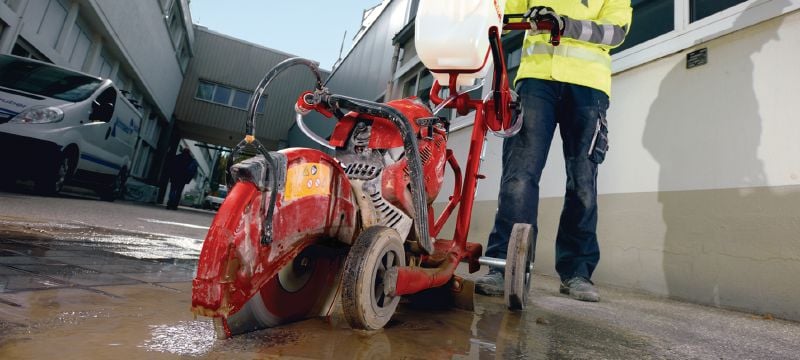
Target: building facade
[700,193]
[214,98]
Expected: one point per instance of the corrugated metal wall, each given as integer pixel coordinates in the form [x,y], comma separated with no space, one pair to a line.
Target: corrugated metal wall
[367,69]
[240,65]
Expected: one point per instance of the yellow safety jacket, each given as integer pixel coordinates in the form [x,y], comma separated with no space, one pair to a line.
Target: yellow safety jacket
[591,29]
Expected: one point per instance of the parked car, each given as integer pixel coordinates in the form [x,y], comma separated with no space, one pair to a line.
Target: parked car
[60,126]
[215,198]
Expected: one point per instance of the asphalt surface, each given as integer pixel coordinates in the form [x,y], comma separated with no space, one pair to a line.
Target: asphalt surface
[81,278]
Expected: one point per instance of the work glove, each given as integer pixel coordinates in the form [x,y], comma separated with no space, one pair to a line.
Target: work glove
[541,15]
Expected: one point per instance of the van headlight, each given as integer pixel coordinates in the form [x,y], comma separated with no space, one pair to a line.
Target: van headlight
[39,115]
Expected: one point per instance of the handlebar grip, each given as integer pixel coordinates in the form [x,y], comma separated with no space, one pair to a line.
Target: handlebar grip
[555,34]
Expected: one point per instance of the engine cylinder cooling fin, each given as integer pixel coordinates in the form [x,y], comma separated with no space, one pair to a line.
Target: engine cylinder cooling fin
[362,171]
[388,214]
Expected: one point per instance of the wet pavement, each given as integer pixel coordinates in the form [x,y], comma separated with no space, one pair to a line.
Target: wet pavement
[70,289]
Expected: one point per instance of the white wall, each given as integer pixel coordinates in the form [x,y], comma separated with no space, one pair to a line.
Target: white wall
[700,191]
[727,124]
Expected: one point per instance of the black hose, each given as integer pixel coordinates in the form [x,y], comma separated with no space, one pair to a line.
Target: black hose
[250,130]
[412,154]
[262,87]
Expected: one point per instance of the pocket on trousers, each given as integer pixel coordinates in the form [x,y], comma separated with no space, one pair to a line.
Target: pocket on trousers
[599,144]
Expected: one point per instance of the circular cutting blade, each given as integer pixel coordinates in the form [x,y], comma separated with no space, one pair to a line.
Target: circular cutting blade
[304,288]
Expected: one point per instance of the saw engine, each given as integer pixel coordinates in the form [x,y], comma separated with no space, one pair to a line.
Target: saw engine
[371,152]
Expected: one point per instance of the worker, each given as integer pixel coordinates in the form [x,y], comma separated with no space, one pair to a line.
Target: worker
[568,85]
[182,169]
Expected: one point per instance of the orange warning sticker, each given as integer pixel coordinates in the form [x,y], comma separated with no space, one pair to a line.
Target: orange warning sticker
[307,180]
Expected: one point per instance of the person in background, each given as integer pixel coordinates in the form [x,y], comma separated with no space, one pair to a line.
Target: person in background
[182,169]
[566,85]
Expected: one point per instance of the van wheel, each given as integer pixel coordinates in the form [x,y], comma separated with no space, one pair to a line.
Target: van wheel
[53,182]
[116,189]
[7,182]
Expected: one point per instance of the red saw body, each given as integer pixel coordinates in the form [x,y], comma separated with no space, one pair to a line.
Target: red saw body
[301,229]
[321,205]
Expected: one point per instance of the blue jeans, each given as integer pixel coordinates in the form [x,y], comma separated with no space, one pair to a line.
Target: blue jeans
[580,113]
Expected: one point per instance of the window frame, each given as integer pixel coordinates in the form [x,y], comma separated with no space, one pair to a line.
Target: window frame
[231,96]
[686,34]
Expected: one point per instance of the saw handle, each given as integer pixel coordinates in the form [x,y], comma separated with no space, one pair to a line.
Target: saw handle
[525,24]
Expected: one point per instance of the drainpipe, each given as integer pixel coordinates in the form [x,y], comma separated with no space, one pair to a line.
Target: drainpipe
[390,84]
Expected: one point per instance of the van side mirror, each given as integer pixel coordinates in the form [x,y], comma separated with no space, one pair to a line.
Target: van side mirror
[101,112]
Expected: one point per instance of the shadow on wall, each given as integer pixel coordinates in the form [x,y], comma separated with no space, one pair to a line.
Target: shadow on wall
[736,246]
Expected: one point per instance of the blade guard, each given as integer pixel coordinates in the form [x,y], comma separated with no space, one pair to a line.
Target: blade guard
[314,205]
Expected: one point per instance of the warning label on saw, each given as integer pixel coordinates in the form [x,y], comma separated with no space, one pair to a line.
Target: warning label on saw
[307,180]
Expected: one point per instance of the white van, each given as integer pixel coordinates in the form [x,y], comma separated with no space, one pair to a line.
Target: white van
[60,126]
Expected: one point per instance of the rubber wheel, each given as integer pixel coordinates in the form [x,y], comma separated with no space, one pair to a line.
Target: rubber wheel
[364,302]
[114,190]
[7,182]
[53,183]
[304,288]
[519,266]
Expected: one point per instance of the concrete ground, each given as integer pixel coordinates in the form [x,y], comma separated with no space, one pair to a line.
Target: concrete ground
[81,279]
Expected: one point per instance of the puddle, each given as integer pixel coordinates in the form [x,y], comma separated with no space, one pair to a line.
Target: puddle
[122,242]
[147,322]
[185,338]
[109,304]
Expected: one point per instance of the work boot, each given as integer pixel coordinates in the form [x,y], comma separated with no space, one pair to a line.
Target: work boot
[491,284]
[580,288]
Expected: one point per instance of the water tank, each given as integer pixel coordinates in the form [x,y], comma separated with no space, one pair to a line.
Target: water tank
[454,35]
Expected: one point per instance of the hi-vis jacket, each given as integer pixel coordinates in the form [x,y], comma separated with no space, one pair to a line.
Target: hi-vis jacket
[591,29]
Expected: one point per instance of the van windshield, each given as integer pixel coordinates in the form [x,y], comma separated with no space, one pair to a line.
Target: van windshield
[45,80]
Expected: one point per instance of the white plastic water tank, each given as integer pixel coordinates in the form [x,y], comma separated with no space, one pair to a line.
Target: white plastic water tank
[454,35]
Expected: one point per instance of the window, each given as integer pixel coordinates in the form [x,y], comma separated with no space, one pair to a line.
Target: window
[183,58]
[240,99]
[107,100]
[410,87]
[663,27]
[143,160]
[699,9]
[651,18]
[205,91]
[80,46]
[24,49]
[424,86]
[173,16]
[223,95]
[105,66]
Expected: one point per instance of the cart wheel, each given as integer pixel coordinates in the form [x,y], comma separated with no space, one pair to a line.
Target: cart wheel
[364,302]
[304,288]
[519,265]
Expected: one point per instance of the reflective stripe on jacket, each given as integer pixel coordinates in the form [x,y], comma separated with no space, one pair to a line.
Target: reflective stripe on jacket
[591,29]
